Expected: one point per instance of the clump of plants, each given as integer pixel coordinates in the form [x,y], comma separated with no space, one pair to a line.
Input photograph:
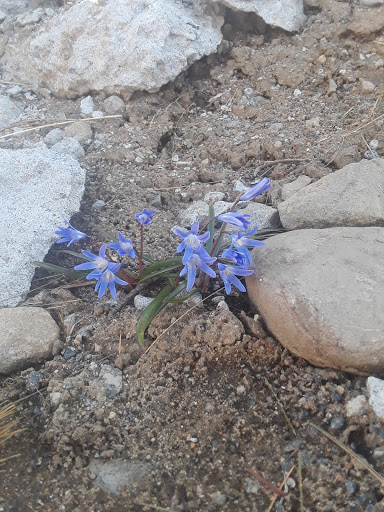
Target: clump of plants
[203,255]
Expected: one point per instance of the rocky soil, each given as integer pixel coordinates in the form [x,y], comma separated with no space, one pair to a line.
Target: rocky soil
[182,427]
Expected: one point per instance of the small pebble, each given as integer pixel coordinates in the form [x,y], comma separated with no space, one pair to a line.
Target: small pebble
[337,423]
[367,87]
[68,353]
[374,144]
[98,205]
[297,93]
[371,154]
[87,105]
[351,487]
[322,59]
[140,302]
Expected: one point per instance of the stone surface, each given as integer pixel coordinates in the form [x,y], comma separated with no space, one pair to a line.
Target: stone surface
[115,475]
[37,188]
[352,196]
[69,146]
[261,215]
[199,210]
[287,14]
[289,189]
[27,336]
[140,45]
[376,396]
[320,293]
[356,406]
[80,130]
[9,112]
[114,105]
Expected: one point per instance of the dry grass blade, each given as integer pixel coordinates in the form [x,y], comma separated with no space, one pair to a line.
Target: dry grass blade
[281,486]
[362,462]
[68,121]
[300,478]
[7,428]
[281,408]
[267,483]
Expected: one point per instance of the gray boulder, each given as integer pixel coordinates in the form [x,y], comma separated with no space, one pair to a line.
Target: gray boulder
[286,14]
[320,293]
[27,336]
[38,187]
[351,196]
[138,45]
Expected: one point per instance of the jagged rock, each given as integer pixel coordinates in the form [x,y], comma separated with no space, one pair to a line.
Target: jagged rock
[352,196]
[37,188]
[139,46]
[320,293]
[286,14]
[27,336]
[9,112]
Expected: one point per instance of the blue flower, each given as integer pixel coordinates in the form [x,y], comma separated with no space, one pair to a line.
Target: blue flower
[256,190]
[69,234]
[240,241]
[228,274]
[236,257]
[107,278]
[197,260]
[145,216]
[124,247]
[192,242]
[236,219]
[99,263]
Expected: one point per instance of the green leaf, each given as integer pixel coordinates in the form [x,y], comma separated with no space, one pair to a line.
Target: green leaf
[148,258]
[160,267]
[176,291]
[73,253]
[150,312]
[50,267]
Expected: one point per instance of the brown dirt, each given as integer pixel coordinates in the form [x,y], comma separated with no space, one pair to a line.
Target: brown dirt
[196,413]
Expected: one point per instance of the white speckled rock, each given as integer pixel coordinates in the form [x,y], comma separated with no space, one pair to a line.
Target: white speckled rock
[320,292]
[376,396]
[9,112]
[38,187]
[27,336]
[118,46]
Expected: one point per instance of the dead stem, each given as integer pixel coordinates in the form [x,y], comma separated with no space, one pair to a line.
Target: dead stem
[281,486]
[267,483]
[353,455]
[281,408]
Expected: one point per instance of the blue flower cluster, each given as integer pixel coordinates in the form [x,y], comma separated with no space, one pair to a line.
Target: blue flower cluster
[103,270]
[195,255]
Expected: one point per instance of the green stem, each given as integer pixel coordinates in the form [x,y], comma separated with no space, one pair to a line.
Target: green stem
[141,249]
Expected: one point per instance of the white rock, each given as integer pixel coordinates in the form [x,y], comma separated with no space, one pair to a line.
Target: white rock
[37,188]
[367,87]
[144,46]
[53,137]
[87,105]
[9,112]
[287,14]
[261,215]
[140,302]
[114,105]
[69,146]
[27,336]
[97,113]
[199,210]
[356,406]
[79,130]
[214,196]
[376,395]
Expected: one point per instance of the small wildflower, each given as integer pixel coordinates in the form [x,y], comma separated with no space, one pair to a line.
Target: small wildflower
[240,242]
[145,216]
[106,279]
[197,260]
[256,190]
[125,246]
[69,234]
[236,219]
[192,242]
[236,257]
[228,274]
[98,263]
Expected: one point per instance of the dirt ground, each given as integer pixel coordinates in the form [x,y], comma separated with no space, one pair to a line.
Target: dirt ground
[183,426]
